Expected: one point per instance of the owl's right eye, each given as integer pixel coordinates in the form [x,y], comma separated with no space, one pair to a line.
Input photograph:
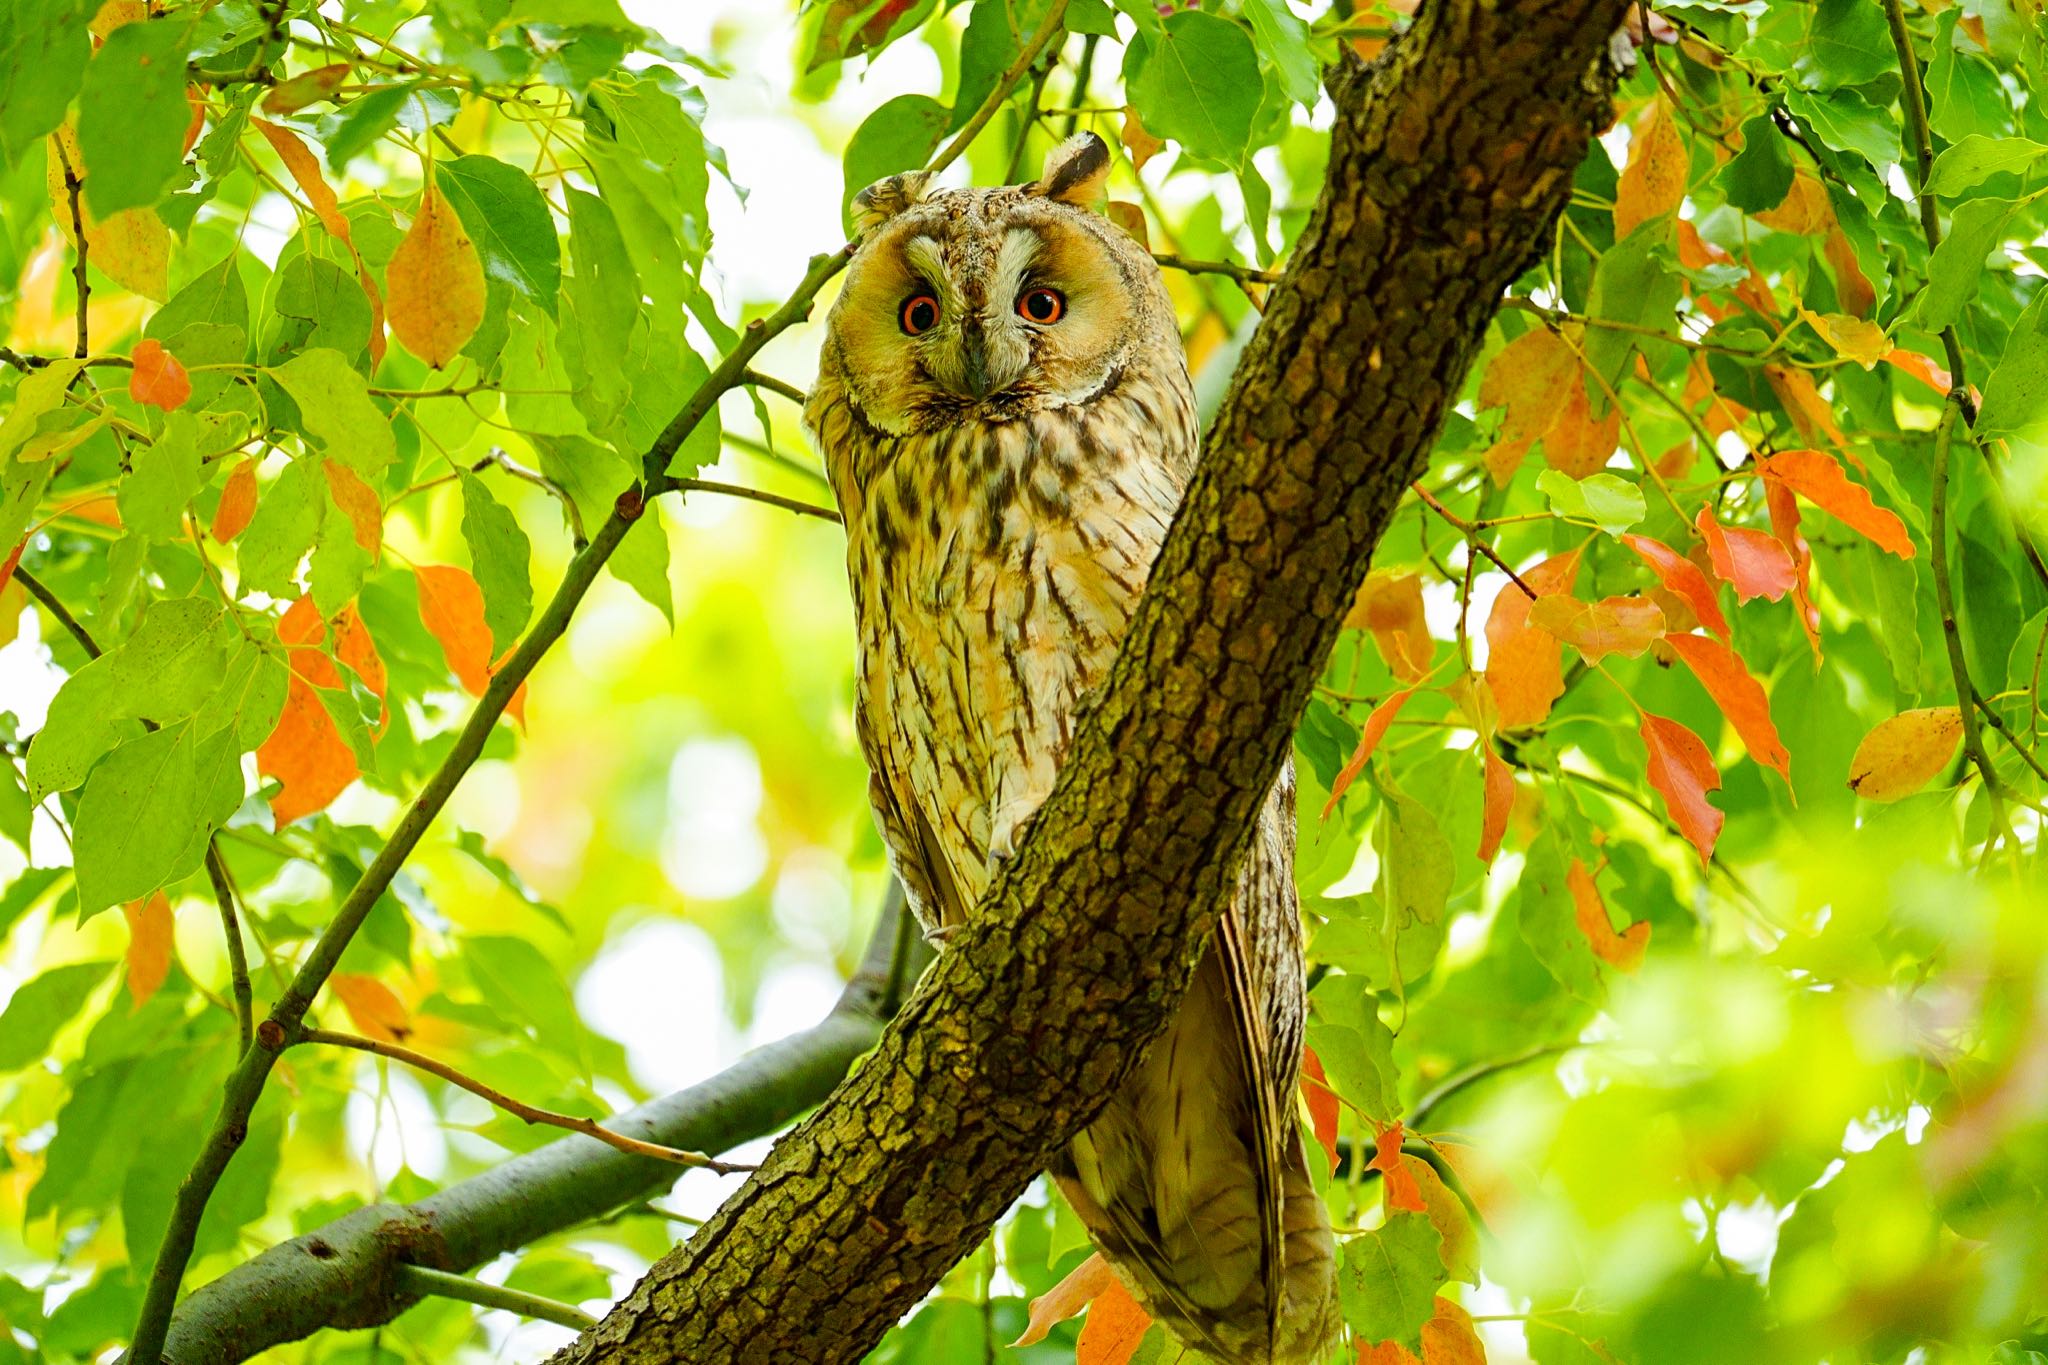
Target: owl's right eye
[920,314]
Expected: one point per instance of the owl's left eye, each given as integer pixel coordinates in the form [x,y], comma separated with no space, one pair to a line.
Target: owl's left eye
[920,314]
[1041,305]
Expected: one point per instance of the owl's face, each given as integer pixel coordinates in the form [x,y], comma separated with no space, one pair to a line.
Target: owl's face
[984,305]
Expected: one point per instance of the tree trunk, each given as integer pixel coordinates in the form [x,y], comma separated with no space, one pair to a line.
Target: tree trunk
[1449,163]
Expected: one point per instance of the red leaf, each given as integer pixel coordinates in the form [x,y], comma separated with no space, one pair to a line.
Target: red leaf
[1683,772]
[1623,950]
[1819,478]
[1525,665]
[358,503]
[197,123]
[1613,625]
[1385,1353]
[373,1006]
[1784,510]
[158,379]
[1368,739]
[1680,575]
[1499,801]
[1739,695]
[1322,1102]
[237,502]
[13,558]
[1755,564]
[306,754]
[452,608]
[1113,1329]
[1403,1195]
[150,929]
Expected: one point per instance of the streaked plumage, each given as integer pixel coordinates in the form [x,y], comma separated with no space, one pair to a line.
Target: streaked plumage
[1007,482]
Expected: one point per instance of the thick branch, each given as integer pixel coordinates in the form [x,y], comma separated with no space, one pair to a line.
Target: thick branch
[1449,162]
[347,1275]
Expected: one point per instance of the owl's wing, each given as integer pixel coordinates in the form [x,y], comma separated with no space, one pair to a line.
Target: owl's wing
[1248,1002]
[913,850]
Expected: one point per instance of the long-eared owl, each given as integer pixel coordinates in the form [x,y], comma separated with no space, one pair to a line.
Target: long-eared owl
[1004,409]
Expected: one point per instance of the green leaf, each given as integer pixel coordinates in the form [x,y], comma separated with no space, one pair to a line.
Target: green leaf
[1388,1279]
[43,50]
[136,819]
[899,136]
[356,126]
[162,673]
[1964,96]
[1635,286]
[1957,266]
[2016,394]
[1198,84]
[653,169]
[605,290]
[249,699]
[316,303]
[988,45]
[1895,583]
[335,409]
[132,116]
[339,563]
[215,295]
[17,812]
[1548,919]
[511,969]
[42,1007]
[1282,39]
[1356,1048]
[500,555]
[1846,121]
[509,222]
[167,474]
[39,395]
[569,14]
[279,535]
[1848,43]
[1607,500]
[1976,159]
[641,563]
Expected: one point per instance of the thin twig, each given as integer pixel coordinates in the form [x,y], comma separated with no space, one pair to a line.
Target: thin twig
[1998,723]
[734,490]
[1472,539]
[1945,598]
[774,385]
[231,932]
[1913,100]
[418,1279]
[419,1061]
[72,182]
[1083,69]
[762,450]
[24,363]
[57,609]
[1048,28]
[1243,274]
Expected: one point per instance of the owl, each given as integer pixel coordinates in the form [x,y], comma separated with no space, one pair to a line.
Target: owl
[1005,413]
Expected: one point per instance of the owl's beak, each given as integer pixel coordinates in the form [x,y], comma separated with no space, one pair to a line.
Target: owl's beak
[974,374]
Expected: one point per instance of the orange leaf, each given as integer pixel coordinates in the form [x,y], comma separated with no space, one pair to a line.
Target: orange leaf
[1623,950]
[1082,1285]
[1852,286]
[1901,755]
[1131,219]
[1812,415]
[133,247]
[1451,1338]
[1528,378]
[1389,604]
[452,608]
[237,502]
[1113,1329]
[1683,772]
[1653,183]
[1499,801]
[1804,211]
[354,647]
[1819,478]
[1579,444]
[1784,510]
[308,87]
[1385,1353]
[377,1011]
[197,104]
[1322,1102]
[1138,140]
[158,379]
[359,503]
[1739,695]
[150,926]
[1755,564]
[1613,625]
[1525,665]
[306,754]
[1921,368]
[436,281]
[1369,737]
[306,171]
[1683,577]
[1403,1195]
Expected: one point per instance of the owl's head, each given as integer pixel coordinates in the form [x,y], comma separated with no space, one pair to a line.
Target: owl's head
[988,304]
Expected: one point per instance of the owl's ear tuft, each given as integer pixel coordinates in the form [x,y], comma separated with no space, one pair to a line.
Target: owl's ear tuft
[884,199]
[1076,170]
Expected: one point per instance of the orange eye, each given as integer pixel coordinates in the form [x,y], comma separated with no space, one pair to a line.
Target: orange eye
[1041,305]
[920,314]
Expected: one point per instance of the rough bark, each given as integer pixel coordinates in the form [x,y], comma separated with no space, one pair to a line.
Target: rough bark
[344,1275]
[1449,163]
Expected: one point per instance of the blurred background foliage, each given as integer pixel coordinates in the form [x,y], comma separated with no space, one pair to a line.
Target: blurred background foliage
[1639,1087]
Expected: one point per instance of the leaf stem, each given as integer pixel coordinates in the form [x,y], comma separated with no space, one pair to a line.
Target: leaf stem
[774,385]
[1048,28]
[72,183]
[1243,274]
[1472,538]
[419,1061]
[1945,598]
[734,490]
[1913,99]
[418,1279]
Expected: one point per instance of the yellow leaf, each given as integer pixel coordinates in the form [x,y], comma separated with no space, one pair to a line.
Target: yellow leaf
[1138,141]
[1131,219]
[1853,338]
[308,87]
[132,248]
[1902,755]
[1653,184]
[436,283]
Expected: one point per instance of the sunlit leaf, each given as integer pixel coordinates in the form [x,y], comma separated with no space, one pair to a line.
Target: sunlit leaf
[435,283]
[148,960]
[1683,772]
[1905,752]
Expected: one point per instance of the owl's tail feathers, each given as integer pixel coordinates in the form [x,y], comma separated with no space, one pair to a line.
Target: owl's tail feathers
[1202,1203]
